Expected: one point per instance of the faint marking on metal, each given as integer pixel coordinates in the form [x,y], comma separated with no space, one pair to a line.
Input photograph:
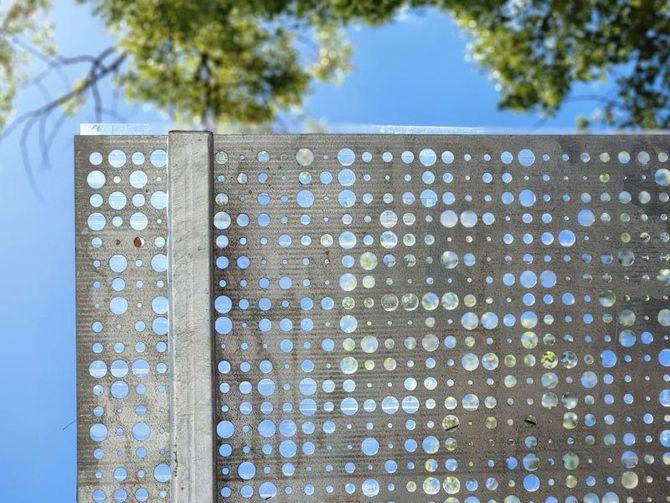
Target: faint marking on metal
[342,375]
[122,375]
[190,253]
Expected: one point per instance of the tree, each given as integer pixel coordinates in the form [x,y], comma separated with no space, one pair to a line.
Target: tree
[538,50]
[219,61]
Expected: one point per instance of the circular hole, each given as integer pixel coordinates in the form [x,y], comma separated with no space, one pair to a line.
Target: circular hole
[267,491]
[407,157]
[304,156]
[138,179]
[448,157]
[119,368]
[246,470]
[95,158]
[664,317]
[162,473]
[586,218]
[225,429]
[468,218]
[527,198]
[346,177]
[118,263]
[138,200]
[140,368]
[159,263]
[221,157]
[346,157]
[449,218]
[116,158]
[305,198]
[566,238]
[158,158]
[98,369]
[137,158]
[96,221]
[662,177]
[449,259]
[95,179]
[119,389]
[117,200]
[526,157]
[222,220]
[96,200]
[118,305]
[427,157]
[139,221]
[98,432]
[159,200]
[141,431]
[506,157]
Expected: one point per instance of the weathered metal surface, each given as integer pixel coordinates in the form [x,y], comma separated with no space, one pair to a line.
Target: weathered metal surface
[398,318]
[190,277]
[123,429]
[431,318]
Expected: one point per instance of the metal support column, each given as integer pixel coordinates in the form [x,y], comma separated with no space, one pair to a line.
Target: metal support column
[191,288]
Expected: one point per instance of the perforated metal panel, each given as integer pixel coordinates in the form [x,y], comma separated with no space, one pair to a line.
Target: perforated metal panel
[419,318]
[122,375]
[396,318]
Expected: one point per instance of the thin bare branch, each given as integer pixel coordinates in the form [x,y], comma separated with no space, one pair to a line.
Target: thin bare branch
[55,130]
[39,117]
[92,79]
[27,164]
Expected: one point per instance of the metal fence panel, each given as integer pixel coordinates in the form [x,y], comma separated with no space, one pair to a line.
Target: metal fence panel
[123,429]
[418,318]
[398,318]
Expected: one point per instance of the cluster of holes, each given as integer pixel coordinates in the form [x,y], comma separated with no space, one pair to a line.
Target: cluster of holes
[383,315]
[125,241]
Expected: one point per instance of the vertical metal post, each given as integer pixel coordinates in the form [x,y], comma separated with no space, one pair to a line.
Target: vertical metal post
[191,321]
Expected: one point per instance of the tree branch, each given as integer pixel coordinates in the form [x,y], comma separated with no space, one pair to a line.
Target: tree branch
[96,74]
[99,69]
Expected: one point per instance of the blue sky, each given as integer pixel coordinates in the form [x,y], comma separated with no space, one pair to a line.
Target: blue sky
[411,72]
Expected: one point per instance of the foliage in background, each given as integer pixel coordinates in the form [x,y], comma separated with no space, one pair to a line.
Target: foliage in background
[221,61]
[25,19]
[537,50]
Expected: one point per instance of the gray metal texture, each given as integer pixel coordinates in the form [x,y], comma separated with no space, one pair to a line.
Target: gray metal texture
[191,342]
[397,318]
[123,428]
[442,318]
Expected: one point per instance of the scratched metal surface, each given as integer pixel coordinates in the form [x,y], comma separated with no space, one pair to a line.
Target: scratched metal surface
[442,318]
[123,426]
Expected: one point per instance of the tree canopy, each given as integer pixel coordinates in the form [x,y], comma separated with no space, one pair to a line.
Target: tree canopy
[220,61]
